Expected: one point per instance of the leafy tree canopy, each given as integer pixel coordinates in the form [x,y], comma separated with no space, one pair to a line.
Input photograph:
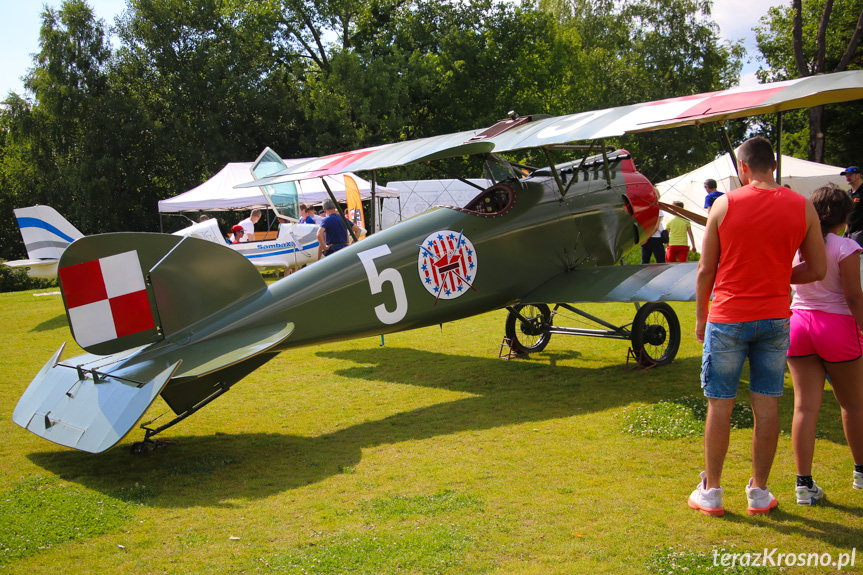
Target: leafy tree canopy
[827,40]
[104,133]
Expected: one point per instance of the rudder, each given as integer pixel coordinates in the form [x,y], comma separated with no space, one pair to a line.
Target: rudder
[129,289]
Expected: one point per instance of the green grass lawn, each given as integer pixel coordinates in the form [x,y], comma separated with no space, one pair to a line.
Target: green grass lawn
[426,455]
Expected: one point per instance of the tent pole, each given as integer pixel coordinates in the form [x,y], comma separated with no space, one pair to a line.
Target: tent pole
[779,148]
[339,208]
[161,229]
[372,211]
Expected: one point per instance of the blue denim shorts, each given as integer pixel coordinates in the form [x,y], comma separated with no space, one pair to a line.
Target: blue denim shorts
[726,345]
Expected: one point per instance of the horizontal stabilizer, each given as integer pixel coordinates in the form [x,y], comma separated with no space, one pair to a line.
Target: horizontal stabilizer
[81,405]
[651,282]
[217,353]
[91,402]
[129,289]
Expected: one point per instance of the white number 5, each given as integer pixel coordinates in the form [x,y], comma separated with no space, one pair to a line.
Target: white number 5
[376,282]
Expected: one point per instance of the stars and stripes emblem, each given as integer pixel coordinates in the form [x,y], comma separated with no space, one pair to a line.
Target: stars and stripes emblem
[447,264]
[106,298]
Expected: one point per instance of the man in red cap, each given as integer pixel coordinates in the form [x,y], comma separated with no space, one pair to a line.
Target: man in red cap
[239,234]
[855,219]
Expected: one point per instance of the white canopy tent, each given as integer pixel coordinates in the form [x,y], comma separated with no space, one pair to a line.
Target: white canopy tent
[218,193]
[800,175]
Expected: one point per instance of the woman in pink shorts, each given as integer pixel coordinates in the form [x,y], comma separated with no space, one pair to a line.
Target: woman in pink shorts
[826,341]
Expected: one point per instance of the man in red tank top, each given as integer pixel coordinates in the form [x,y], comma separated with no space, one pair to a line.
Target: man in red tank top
[750,241]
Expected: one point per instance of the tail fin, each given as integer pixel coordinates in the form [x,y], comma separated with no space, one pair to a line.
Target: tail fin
[130,289]
[45,232]
[206,230]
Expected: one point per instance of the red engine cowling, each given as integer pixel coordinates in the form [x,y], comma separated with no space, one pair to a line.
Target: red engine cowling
[641,198]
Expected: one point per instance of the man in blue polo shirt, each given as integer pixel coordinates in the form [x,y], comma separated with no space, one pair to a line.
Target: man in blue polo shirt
[712,194]
[333,233]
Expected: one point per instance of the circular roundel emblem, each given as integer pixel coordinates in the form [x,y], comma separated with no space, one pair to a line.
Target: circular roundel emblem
[447,264]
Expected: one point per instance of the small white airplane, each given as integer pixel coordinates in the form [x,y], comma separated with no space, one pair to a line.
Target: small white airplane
[47,234]
[294,244]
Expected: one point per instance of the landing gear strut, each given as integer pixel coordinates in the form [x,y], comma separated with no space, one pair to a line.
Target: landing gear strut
[654,333]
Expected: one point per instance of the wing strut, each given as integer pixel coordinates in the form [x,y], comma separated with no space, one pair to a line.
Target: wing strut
[605,162]
[374,203]
[779,147]
[728,147]
[578,169]
[554,172]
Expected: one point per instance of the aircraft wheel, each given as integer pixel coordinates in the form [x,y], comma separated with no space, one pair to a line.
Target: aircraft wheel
[530,336]
[138,448]
[656,332]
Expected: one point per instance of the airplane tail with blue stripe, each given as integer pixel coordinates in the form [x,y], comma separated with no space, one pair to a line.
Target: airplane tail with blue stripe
[46,236]
[46,233]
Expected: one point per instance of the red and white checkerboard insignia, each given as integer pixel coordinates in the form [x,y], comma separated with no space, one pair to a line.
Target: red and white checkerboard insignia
[106,298]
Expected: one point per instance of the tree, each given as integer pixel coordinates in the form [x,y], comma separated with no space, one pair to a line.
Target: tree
[645,50]
[436,67]
[55,151]
[799,41]
[205,75]
[104,135]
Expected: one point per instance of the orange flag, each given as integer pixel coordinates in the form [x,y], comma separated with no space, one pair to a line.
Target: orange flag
[355,203]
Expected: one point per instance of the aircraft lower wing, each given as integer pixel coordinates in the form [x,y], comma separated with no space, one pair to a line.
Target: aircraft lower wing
[683,213]
[268,264]
[46,269]
[650,282]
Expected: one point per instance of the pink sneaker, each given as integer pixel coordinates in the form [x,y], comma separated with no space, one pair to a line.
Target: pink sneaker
[761,501]
[708,501]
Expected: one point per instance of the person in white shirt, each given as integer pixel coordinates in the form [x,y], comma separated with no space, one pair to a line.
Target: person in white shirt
[249,224]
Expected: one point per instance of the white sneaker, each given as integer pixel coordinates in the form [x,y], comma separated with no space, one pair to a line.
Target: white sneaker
[858,480]
[761,501]
[807,496]
[708,501]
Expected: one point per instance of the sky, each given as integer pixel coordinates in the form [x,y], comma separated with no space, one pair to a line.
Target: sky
[19,32]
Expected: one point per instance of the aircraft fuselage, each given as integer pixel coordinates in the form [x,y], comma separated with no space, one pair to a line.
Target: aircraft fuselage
[378,285]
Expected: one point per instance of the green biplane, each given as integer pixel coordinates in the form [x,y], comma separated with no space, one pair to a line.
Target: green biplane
[185,319]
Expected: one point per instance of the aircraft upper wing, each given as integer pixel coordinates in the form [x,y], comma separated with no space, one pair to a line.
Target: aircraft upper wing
[737,102]
[388,155]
